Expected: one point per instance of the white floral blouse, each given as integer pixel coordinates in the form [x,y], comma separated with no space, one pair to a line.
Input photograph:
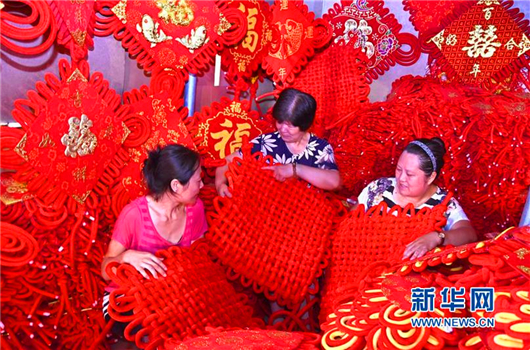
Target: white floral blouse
[317,154]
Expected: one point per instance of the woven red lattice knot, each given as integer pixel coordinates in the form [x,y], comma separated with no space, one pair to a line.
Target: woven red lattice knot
[365,239]
[274,235]
[195,294]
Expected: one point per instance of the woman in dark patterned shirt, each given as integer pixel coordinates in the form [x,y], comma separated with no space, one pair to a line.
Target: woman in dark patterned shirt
[299,152]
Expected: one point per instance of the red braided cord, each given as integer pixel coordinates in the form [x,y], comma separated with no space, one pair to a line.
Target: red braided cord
[15,27]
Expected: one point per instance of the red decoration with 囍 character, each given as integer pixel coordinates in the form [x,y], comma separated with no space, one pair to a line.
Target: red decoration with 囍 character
[155,120]
[296,35]
[76,21]
[486,44]
[243,59]
[222,128]
[74,127]
[370,26]
[183,34]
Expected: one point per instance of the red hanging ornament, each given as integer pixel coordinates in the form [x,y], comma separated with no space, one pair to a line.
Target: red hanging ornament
[243,59]
[74,128]
[183,35]
[485,45]
[370,26]
[296,35]
[223,126]
[76,21]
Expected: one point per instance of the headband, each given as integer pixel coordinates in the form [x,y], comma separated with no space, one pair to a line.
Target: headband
[426,150]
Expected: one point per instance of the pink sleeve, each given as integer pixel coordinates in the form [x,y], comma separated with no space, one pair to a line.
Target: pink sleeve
[201,226]
[124,229]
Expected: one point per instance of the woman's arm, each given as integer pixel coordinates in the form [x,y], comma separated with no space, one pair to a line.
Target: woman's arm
[460,233]
[221,183]
[141,261]
[322,178]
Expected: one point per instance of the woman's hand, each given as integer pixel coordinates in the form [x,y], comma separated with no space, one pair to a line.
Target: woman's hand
[142,261]
[223,190]
[422,245]
[281,172]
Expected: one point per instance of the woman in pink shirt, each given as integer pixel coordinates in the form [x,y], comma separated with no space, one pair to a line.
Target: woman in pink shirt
[171,215]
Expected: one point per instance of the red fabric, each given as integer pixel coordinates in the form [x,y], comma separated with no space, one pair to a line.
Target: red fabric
[343,68]
[296,35]
[16,28]
[276,242]
[381,235]
[180,35]
[222,127]
[377,317]
[195,294]
[370,26]
[154,120]
[484,45]
[76,21]
[74,127]
[247,339]
[243,59]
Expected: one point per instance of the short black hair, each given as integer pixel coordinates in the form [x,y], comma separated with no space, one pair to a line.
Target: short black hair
[165,164]
[296,107]
[437,147]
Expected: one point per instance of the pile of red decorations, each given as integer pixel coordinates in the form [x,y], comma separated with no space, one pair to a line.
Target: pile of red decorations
[379,315]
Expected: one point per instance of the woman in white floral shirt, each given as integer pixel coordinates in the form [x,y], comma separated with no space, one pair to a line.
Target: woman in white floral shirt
[417,168]
[299,152]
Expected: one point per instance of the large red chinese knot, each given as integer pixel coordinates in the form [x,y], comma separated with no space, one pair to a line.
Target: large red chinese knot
[486,44]
[182,34]
[296,35]
[74,127]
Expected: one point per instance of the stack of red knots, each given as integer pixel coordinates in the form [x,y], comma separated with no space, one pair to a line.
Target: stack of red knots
[273,236]
[195,294]
[379,315]
[487,136]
